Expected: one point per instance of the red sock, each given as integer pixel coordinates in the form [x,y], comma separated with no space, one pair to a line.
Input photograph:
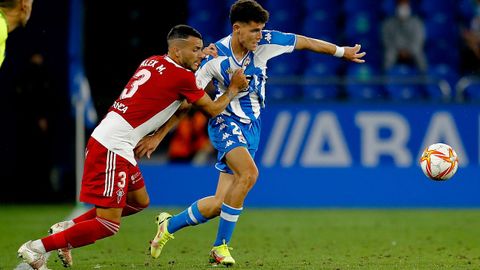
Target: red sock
[92,213]
[127,211]
[81,234]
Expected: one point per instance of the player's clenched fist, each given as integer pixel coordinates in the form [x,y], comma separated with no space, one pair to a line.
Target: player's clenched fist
[238,81]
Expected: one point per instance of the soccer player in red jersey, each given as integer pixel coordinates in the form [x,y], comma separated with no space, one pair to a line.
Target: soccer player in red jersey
[112,180]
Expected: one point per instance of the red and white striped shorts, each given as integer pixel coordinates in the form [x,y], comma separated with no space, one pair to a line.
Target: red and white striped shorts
[108,177]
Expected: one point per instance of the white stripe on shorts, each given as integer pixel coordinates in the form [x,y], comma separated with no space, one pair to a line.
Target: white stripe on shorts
[109,174]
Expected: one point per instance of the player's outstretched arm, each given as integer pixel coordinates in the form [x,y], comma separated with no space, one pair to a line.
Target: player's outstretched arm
[213,108]
[320,46]
[148,144]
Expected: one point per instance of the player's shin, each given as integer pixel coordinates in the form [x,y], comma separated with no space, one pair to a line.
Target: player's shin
[228,219]
[189,217]
[81,234]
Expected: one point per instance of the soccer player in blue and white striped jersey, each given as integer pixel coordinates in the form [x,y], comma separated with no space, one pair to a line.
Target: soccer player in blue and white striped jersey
[236,132]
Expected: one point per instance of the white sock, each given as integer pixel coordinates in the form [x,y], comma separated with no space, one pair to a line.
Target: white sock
[70,223]
[38,246]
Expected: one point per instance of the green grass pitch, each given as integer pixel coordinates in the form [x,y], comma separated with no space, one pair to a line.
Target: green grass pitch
[272,239]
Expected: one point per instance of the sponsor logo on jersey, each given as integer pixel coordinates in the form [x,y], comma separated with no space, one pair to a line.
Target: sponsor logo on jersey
[225,136]
[268,37]
[229,143]
[120,194]
[120,106]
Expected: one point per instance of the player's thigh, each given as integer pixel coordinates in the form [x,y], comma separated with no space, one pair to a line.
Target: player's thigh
[240,161]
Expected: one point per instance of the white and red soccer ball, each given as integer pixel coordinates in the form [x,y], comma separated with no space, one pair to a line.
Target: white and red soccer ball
[439,162]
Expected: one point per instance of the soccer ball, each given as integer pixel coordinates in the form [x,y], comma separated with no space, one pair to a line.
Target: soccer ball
[439,162]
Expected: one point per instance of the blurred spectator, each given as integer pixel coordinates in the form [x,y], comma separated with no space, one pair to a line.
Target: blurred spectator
[190,140]
[403,37]
[35,105]
[471,37]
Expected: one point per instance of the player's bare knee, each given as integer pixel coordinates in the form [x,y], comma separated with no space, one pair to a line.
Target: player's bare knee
[145,202]
[247,179]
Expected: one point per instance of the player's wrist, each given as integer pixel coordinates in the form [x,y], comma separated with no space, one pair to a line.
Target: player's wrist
[339,51]
[230,93]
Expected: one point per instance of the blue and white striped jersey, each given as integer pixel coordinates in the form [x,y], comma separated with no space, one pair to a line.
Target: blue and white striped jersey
[248,104]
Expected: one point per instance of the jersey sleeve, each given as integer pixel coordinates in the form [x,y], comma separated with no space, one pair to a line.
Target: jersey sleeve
[191,91]
[205,73]
[275,43]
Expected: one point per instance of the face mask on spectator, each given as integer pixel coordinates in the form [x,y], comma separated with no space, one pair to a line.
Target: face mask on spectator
[403,11]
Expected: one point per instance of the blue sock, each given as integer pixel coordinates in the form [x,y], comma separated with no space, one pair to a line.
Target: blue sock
[228,219]
[189,217]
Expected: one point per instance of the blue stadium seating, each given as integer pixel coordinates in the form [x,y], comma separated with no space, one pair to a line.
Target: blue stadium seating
[429,7]
[467,10]
[209,24]
[276,92]
[443,51]
[360,86]
[320,23]
[441,26]
[352,7]
[286,64]
[362,25]
[389,7]
[403,91]
[323,5]
[320,67]
[345,23]
[472,92]
[320,92]
[441,72]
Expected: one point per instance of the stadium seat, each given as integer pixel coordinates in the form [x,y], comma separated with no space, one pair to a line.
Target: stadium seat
[320,65]
[285,15]
[353,7]
[319,23]
[437,73]
[467,10]
[362,25]
[389,6]
[285,20]
[210,10]
[360,84]
[441,26]
[318,71]
[439,6]
[402,85]
[272,5]
[443,52]
[208,23]
[471,92]
[325,6]
[320,92]
[276,92]
[286,66]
